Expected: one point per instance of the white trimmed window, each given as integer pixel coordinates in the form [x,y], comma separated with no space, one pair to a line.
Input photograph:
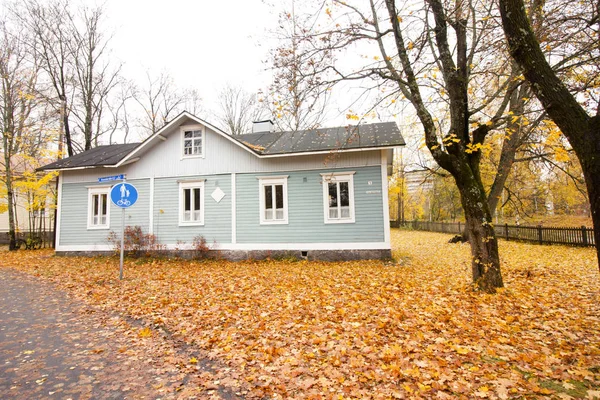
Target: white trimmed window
[193,141]
[338,197]
[191,203]
[273,200]
[98,208]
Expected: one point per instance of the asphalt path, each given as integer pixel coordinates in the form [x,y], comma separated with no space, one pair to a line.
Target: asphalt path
[55,347]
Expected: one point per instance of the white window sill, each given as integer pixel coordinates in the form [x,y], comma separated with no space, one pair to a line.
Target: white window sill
[191,223]
[192,156]
[340,221]
[274,222]
[98,228]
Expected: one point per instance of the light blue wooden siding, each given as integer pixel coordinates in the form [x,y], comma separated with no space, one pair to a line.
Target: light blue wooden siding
[305,210]
[74,214]
[217,216]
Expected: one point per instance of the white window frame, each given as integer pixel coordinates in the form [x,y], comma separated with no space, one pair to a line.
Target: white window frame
[97,191]
[268,181]
[193,128]
[336,177]
[191,185]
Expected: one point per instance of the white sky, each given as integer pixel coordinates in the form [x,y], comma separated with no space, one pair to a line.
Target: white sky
[201,44]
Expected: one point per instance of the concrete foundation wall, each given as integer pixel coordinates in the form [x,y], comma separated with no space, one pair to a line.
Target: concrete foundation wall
[240,255]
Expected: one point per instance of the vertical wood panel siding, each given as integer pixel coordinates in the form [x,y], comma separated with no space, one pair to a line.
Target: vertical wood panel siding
[217,216]
[305,210]
[73,227]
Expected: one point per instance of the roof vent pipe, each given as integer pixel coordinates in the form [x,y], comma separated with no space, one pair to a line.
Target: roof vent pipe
[263,126]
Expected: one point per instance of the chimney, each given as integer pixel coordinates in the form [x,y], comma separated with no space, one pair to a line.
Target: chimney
[263,126]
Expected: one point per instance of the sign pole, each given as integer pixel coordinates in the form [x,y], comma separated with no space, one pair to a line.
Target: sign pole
[122,240]
[123,195]
[122,243]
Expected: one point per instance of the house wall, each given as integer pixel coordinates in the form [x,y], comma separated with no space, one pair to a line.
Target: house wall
[305,210]
[217,216]
[233,223]
[74,213]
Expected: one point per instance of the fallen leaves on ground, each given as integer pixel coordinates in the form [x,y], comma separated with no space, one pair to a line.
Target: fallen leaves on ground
[409,329]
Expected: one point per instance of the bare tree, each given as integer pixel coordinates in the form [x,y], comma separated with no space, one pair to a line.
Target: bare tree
[577,117]
[18,98]
[161,100]
[237,110]
[297,98]
[96,77]
[51,30]
[73,51]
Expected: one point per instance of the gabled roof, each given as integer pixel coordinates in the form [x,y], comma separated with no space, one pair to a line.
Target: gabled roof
[261,145]
[101,156]
[342,138]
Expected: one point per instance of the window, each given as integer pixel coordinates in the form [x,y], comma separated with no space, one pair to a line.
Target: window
[193,141]
[338,197]
[98,208]
[191,203]
[273,200]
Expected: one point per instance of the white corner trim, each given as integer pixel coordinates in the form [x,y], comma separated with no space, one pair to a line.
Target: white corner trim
[385,197]
[151,208]
[233,210]
[58,209]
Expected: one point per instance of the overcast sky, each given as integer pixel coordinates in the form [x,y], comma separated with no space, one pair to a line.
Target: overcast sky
[202,44]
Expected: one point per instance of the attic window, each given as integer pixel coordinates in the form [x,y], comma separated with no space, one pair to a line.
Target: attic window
[193,141]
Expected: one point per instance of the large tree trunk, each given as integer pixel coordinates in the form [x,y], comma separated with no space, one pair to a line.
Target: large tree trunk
[480,234]
[589,158]
[581,129]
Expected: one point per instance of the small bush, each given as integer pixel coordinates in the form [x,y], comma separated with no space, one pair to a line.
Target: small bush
[200,247]
[137,243]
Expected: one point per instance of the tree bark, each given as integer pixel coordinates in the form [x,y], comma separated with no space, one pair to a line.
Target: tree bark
[581,129]
[12,236]
[485,261]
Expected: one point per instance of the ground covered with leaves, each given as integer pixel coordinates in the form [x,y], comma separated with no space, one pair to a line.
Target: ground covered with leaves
[412,328]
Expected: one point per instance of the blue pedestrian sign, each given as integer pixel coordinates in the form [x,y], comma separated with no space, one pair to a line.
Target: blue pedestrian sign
[123,195]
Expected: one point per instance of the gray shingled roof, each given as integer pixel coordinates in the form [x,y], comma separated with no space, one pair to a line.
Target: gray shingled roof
[377,135]
[96,157]
[384,134]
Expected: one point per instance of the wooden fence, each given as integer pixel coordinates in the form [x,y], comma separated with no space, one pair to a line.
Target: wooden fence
[582,236]
[45,237]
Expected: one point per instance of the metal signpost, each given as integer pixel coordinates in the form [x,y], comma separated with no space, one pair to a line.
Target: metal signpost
[123,195]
